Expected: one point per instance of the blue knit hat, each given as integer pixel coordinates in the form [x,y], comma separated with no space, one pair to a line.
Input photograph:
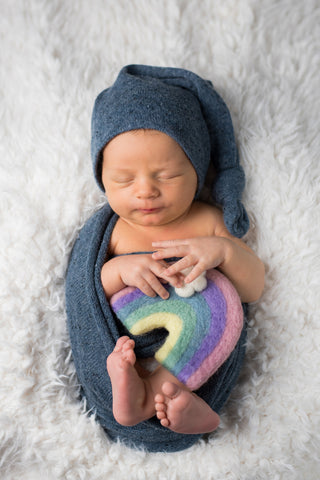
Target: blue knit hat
[188,109]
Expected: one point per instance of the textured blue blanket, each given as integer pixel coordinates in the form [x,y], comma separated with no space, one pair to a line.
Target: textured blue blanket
[94,330]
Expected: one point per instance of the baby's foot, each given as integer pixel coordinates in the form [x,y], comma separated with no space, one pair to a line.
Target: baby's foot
[127,387]
[183,411]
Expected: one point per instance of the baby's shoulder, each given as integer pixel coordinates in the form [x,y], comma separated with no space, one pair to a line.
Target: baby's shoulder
[205,208]
[208,217]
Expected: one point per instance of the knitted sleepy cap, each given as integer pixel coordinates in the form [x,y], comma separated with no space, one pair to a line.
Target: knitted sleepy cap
[188,109]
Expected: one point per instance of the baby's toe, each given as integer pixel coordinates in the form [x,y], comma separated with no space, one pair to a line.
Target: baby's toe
[160,407]
[129,356]
[128,345]
[161,415]
[120,343]
[165,422]
[159,398]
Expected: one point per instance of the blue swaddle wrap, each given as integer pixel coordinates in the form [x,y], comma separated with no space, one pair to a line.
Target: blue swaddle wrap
[94,330]
[187,108]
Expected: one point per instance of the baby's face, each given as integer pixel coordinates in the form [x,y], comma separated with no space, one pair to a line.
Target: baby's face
[148,179]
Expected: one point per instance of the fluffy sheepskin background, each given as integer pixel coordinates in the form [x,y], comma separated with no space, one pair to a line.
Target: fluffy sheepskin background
[56,56]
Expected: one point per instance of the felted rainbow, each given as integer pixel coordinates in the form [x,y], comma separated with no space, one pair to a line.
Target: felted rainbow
[203,329]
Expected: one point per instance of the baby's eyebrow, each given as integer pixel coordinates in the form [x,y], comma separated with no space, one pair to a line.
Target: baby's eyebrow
[120,170]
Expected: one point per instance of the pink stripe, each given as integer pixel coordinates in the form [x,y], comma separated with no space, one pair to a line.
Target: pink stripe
[230,337]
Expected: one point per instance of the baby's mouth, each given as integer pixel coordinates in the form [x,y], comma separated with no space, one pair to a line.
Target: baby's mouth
[150,210]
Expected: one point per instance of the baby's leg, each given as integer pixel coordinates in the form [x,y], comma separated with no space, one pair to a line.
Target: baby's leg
[132,398]
[183,411]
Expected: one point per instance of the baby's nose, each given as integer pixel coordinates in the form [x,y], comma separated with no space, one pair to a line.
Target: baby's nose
[146,189]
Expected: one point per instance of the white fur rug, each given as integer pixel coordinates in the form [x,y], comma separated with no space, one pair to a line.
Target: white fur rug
[263,57]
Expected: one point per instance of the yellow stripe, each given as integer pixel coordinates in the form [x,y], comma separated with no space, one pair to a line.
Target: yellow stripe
[167,320]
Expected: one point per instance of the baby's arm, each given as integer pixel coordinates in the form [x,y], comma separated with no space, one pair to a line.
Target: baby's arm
[221,250]
[141,271]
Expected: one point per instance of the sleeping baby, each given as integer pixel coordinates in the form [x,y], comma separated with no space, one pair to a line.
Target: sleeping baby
[155,133]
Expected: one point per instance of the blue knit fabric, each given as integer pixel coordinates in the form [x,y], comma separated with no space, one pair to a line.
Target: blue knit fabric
[187,108]
[94,331]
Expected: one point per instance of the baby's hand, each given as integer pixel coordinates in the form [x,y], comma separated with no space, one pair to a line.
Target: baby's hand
[146,273]
[201,253]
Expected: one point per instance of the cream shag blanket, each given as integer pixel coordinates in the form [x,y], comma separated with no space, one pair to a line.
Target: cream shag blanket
[263,57]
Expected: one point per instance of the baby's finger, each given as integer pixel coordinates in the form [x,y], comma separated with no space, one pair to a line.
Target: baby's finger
[176,280]
[162,292]
[160,268]
[156,286]
[170,243]
[168,252]
[197,270]
[146,288]
[180,265]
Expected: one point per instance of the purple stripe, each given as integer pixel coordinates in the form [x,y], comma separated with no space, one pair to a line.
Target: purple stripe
[217,305]
[125,299]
